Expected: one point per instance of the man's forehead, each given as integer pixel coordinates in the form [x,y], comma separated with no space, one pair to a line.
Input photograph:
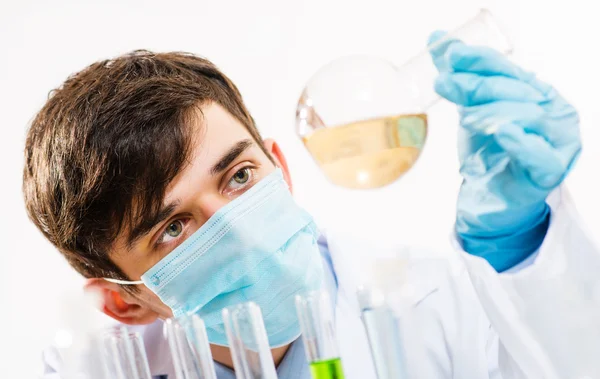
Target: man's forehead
[213,118]
[215,131]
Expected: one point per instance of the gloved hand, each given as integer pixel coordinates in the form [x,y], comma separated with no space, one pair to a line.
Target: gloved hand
[518,140]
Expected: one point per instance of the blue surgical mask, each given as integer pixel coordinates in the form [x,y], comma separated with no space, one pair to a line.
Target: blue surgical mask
[261,247]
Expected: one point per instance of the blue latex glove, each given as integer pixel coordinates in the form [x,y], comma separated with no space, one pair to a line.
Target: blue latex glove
[517,142]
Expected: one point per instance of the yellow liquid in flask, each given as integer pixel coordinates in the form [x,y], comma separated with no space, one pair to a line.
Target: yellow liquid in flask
[369,153]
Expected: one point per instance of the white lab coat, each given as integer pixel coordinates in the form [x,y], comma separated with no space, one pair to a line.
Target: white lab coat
[456,301]
[547,314]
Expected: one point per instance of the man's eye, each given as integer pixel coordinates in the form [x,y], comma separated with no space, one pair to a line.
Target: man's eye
[240,179]
[242,176]
[172,231]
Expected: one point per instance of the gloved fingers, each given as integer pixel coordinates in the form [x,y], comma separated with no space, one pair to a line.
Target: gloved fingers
[558,126]
[468,89]
[436,37]
[561,111]
[544,164]
[485,119]
[470,142]
[483,60]
[438,45]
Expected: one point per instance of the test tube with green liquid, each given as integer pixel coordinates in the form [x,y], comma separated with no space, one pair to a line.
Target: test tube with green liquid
[315,314]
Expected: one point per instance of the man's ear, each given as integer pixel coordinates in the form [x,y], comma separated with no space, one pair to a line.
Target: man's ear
[120,305]
[275,151]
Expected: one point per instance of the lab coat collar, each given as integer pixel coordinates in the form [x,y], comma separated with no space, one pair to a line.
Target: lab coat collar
[426,270]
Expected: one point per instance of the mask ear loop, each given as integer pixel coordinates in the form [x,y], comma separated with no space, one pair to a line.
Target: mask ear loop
[124,282]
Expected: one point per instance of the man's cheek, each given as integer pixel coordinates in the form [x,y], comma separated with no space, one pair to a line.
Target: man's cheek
[153,302]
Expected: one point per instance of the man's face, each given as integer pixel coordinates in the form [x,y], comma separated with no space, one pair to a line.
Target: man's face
[225,161]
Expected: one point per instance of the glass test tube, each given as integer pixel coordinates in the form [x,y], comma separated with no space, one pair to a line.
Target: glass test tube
[124,355]
[315,314]
[190,348]
[248,342]
[383,334]
[80,338]
[83,360]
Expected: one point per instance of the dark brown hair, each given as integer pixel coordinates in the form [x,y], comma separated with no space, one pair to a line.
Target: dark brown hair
[101,152]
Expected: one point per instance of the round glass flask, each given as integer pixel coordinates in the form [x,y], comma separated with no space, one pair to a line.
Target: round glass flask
[364,119]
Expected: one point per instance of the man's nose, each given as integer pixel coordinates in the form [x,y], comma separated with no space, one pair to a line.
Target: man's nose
[209,204]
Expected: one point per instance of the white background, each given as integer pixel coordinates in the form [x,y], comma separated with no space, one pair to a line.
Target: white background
[269,48]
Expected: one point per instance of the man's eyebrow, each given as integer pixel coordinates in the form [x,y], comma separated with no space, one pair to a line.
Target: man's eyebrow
[146,225]
[230,156]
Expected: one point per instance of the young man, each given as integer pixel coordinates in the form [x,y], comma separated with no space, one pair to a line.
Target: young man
[148,174]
